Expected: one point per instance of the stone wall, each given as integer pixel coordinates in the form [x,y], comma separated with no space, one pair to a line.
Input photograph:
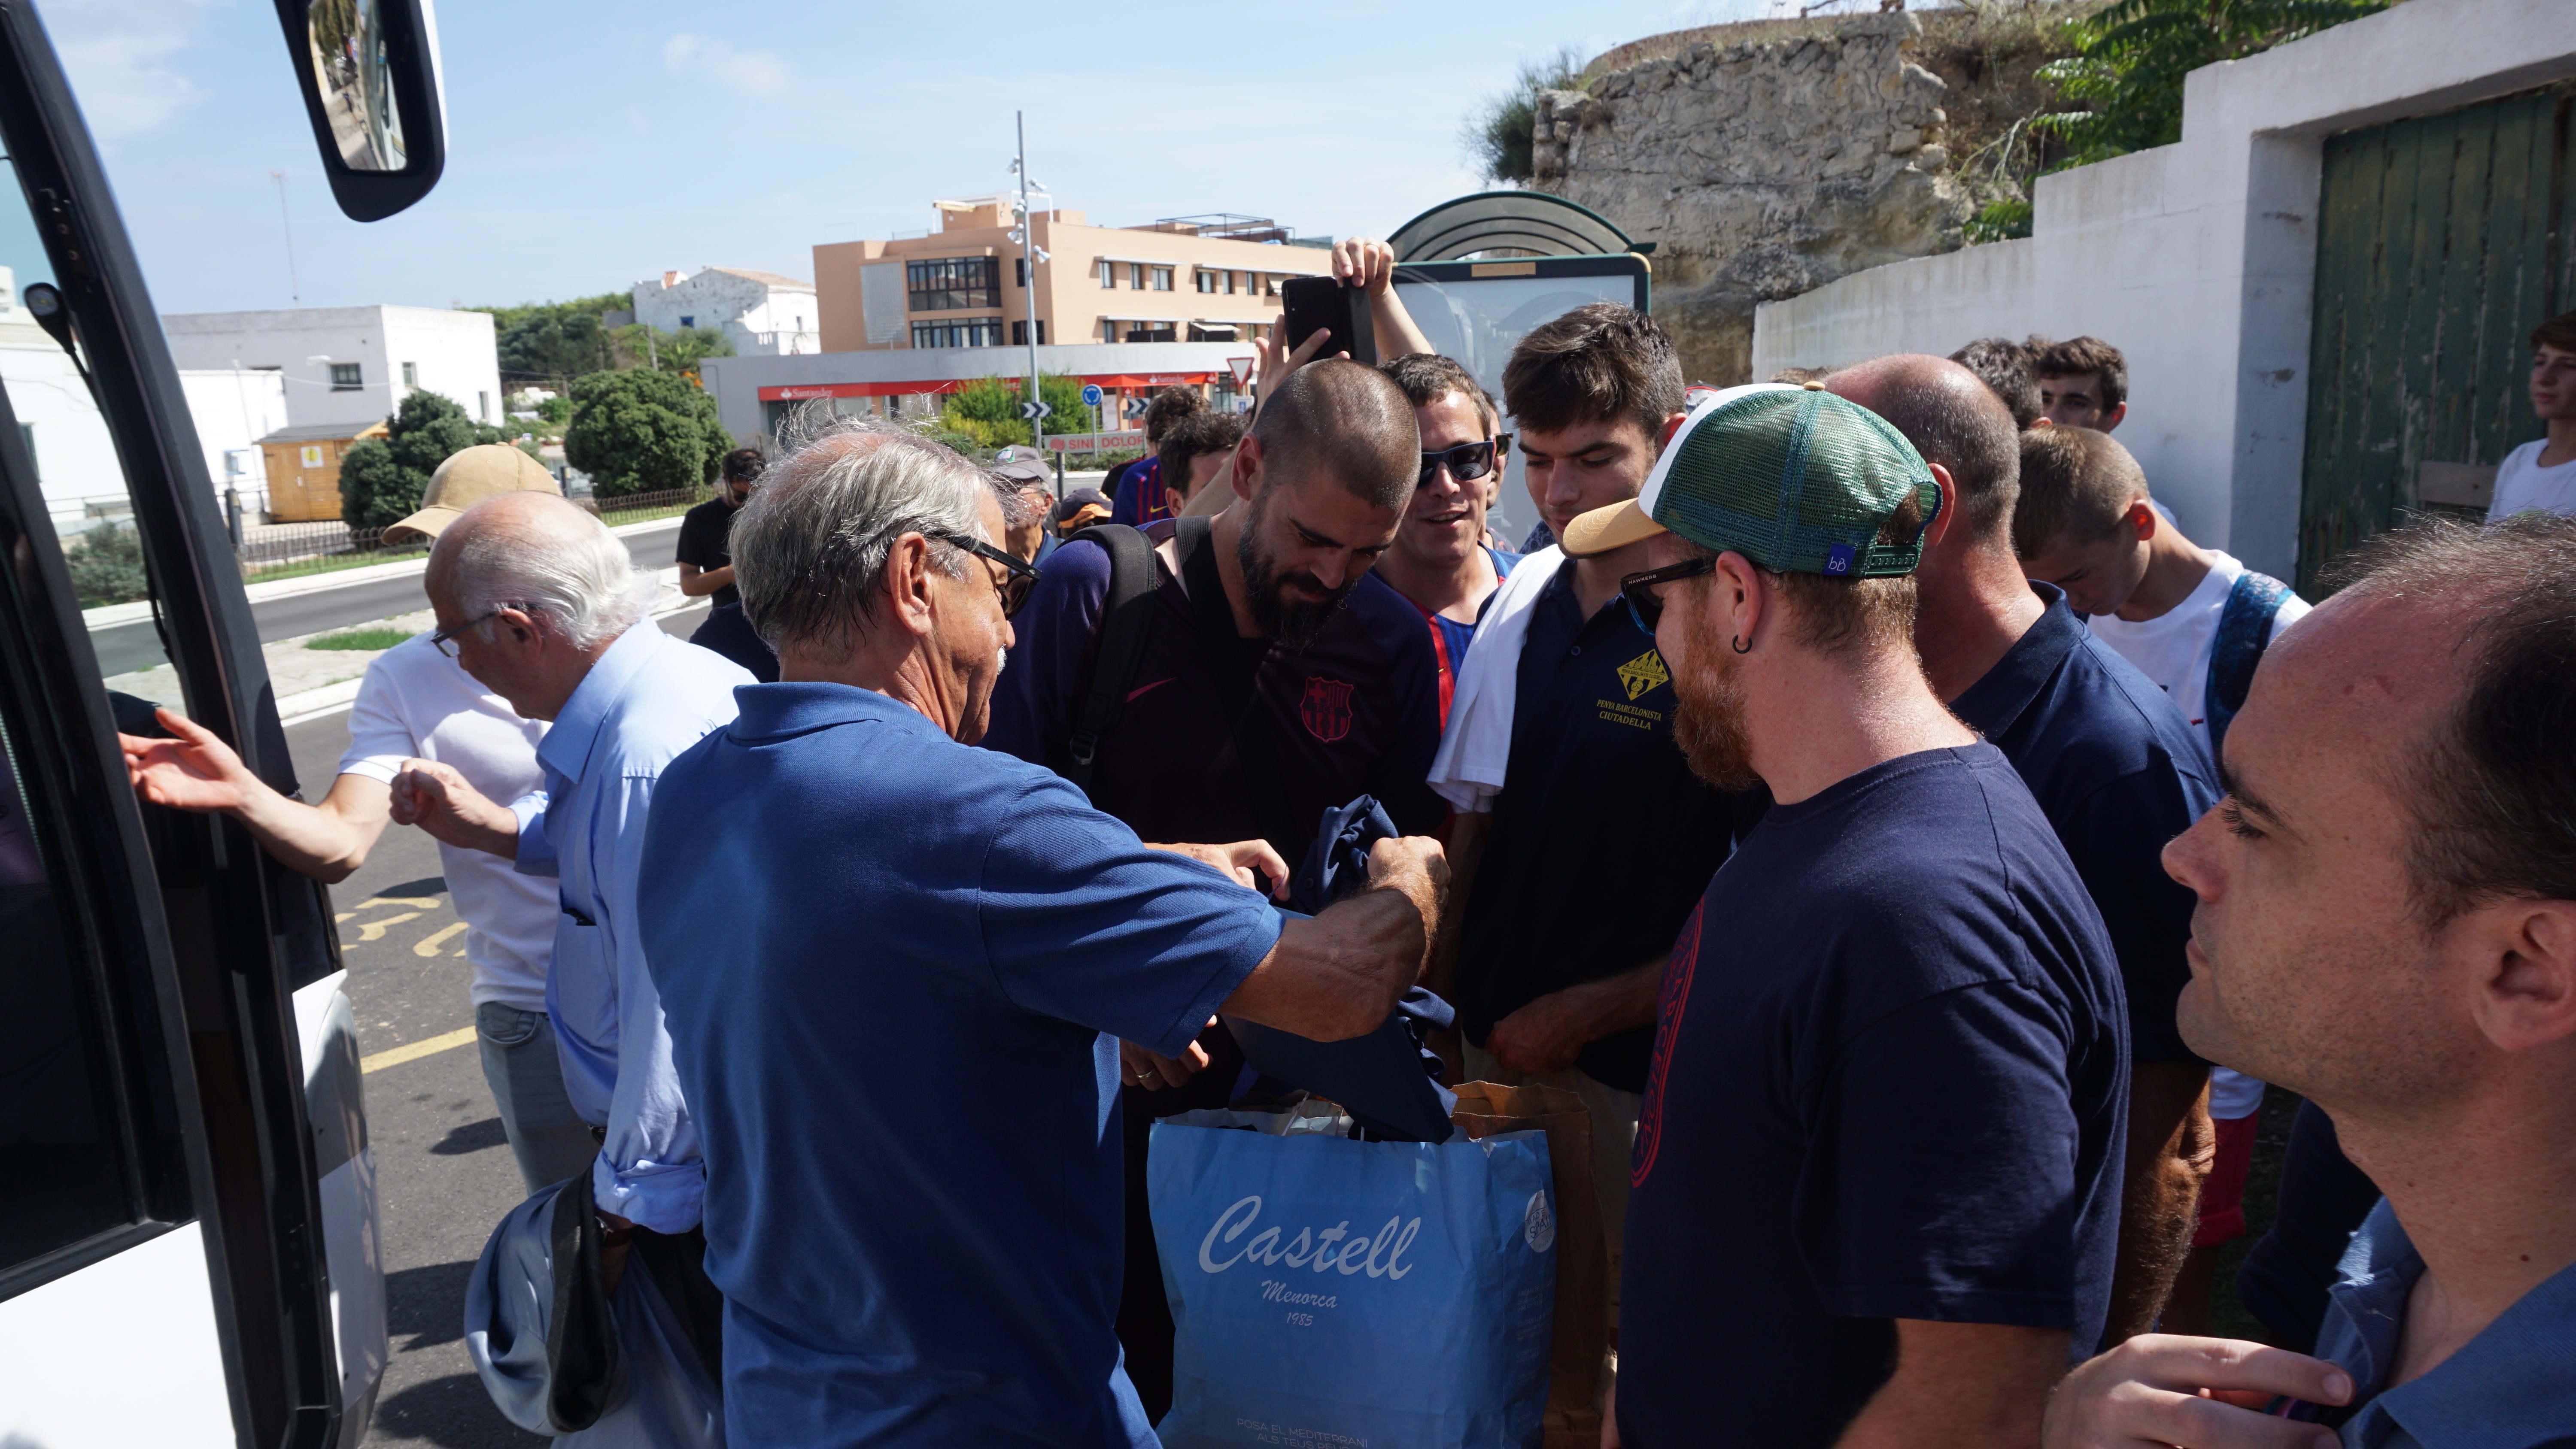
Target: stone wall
[1760,171]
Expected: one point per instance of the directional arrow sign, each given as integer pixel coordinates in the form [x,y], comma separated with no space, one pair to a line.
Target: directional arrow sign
[1035,411]
[1091,394]
[1135,407]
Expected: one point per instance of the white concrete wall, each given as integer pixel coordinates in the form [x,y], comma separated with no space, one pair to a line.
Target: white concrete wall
[763,319]
[232,412]
[2197,259]
[453,353]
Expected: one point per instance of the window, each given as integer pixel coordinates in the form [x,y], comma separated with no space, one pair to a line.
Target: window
[1108,330]
[483,406]
[976,332]
[1162,279]
[1136,276]
[953,284]
[1205,279]
[345,377]
[1270,284]
[1229,284]
[688,321]
[1020,333]
[1108,274]
[411,374]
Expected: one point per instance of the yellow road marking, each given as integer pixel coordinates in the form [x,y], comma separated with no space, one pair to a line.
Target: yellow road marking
[414,1052]
[429,947]
[426,903]
[375,930]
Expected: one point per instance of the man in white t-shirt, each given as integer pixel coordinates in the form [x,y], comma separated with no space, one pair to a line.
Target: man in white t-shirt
[2542,474]
[417,703]
[2195,621]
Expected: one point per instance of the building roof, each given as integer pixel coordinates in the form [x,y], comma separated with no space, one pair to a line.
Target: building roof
[321,432]
[766,279]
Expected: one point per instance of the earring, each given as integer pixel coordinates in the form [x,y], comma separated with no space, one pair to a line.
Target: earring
[1737,644]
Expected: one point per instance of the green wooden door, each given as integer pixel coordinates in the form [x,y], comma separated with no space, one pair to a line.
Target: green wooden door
[2440,245]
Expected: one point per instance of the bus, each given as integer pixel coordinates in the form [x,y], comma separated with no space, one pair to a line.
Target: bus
[188,1244]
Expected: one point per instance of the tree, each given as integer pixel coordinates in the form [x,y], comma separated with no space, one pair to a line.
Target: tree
[555,339]
[642,431]
[106,565]
[988,409]
[2131,56]
[678,352]
[1497,133]
[382,479]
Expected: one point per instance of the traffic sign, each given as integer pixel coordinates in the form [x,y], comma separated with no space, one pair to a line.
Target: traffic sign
[1135,407]
[1091,394]
[1242,369]
[1035,411]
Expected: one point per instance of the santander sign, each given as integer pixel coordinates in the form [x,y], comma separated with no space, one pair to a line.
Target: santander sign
[1332,1248]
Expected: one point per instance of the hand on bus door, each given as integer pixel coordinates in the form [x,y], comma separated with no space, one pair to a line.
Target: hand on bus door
[192,771]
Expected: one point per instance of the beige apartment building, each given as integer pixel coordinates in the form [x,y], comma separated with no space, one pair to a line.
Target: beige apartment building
[1189,279]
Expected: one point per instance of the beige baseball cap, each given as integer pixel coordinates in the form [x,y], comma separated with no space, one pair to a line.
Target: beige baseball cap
[486,470]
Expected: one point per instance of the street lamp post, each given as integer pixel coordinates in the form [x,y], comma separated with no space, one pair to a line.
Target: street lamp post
[1026,234]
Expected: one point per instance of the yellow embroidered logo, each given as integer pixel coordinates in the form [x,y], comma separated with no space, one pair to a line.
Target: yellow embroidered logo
[1643,673]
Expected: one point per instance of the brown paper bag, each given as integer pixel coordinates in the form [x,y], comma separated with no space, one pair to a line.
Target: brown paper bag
[1582,1253]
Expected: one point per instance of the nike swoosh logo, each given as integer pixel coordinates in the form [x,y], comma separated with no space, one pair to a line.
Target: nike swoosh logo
[1134,694]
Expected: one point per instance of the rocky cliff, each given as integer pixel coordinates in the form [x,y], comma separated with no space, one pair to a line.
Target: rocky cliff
[1760,170]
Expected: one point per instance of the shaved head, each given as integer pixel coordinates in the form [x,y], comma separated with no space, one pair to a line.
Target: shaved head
[1952,418]
[1345,420]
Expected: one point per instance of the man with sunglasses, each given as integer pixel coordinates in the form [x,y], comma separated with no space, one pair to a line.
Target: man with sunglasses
[1876,1181]
[1440,562]
[1593,801]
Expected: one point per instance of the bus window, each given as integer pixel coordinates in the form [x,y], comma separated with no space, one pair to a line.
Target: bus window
[77,470]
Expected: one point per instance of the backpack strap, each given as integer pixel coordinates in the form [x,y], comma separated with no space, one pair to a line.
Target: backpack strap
[1126,618]
[2244,631]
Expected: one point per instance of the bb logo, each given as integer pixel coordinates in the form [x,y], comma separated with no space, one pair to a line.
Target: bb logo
[1326,708]
[1643,673]
[1838,560]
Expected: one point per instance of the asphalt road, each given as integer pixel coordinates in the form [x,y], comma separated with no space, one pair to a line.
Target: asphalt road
[359,603]
[442,1166]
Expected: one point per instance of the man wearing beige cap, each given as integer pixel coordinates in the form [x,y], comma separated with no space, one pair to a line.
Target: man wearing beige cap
[416,702]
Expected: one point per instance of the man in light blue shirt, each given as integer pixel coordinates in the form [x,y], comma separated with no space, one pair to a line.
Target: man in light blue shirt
[2387,925]
[541,603]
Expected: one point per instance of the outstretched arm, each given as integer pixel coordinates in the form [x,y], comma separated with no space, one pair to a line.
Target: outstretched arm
[196,771]
[1339,975]
[1370,265]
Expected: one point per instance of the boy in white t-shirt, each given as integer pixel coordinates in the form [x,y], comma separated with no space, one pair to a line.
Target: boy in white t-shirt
[2195,621]
[2542,474]
[417,703]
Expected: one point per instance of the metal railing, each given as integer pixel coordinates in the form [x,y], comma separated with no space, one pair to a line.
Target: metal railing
[274,548]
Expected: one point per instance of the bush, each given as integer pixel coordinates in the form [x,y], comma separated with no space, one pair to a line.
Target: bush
[1497,134]
[988,410]
[107,566]
[642,431]
[382,479]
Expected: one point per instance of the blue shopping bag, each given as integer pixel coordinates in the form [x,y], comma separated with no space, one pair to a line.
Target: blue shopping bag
[1326,1291]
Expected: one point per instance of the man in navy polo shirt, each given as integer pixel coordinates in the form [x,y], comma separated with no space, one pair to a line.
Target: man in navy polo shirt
[1548,988]
[1280,679]
[1877,1175]
[2114,765]
[895,969]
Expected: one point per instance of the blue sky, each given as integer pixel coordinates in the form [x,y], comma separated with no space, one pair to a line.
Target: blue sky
[592,145]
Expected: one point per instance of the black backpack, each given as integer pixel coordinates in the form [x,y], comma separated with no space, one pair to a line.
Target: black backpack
[1126,619]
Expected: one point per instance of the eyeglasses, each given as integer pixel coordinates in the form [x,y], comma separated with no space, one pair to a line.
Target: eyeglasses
[445,639]
[1013,590]
[1467,461]
[1645,606]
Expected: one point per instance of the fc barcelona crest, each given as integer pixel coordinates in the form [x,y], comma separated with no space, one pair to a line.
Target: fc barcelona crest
[1326,708]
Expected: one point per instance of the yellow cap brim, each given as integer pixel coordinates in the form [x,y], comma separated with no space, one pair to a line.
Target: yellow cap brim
[427,523]
[1605,529]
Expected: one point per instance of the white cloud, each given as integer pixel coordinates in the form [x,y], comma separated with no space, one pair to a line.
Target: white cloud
[752,72]
[118,60]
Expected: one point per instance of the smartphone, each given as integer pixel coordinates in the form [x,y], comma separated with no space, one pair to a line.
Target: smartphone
[1310,304]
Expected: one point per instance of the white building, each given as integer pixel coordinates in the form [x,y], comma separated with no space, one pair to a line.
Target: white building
[233,409]
[76,464]
[765,314]
[350,364]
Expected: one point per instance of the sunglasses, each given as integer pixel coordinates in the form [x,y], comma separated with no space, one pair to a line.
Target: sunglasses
[1645,606]
[445,639]
[1467,461]
[1015,588]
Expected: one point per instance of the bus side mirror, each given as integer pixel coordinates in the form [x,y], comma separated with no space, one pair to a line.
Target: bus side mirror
[369,72]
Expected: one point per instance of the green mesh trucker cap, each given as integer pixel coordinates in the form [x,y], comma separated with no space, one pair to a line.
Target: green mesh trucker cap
[1793,478]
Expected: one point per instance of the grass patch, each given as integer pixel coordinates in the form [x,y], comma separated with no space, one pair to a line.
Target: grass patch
[375,638]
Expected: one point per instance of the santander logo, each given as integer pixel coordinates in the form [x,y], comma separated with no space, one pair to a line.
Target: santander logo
[1334,1247]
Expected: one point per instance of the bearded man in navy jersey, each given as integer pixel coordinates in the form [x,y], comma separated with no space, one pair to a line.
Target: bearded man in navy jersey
[1877,1177]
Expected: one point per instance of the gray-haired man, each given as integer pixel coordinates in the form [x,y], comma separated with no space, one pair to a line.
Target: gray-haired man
[898,969]
[540,602]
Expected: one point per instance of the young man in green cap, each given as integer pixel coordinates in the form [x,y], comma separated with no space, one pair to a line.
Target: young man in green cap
[1877,1173]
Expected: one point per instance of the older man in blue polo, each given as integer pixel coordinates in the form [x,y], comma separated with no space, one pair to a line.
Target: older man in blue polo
[896,970]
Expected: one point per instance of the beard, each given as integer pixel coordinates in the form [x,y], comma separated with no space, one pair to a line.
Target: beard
[1296,623]
[1708,711]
